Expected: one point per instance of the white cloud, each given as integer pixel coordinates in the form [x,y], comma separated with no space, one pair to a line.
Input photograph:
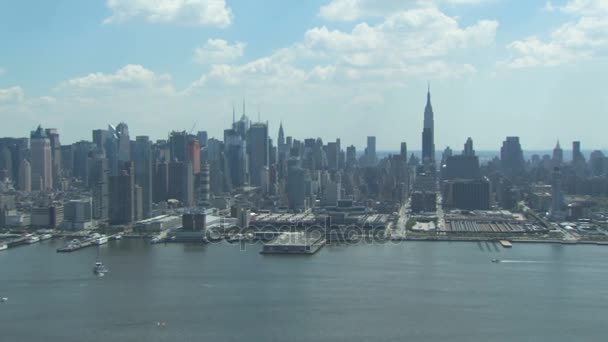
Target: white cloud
[130,76]
[216,51]
[549,6]
[342,10]
[583,37]
[187,12]
[11,95]
[402,37]
[407,43]
[586,7]
[350,10]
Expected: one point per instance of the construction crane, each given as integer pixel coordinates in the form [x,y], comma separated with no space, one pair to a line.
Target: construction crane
[192,129]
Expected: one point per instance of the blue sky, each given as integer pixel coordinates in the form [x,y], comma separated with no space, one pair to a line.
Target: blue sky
[326,68]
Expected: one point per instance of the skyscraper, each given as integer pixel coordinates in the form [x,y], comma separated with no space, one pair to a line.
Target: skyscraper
[557,197]
[193,154]
[468,148]
[370,157]
[53,136]
[143,172]
[6,162]
[205,185]
[178,145]
[259,151]
[100,136]
[25,176]
[99,182]
[577,155]
[351,156]
[281,145]
[124,142]
[202,138]
[81,151]
[428,132]
[181,182]
[236,158]
[558,155]
[122,196]
[511,158]
[18,150]
[403,151]
[296,187]
[161,182]
[41,154]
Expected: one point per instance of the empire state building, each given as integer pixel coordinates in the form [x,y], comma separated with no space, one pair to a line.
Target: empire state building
[428,133]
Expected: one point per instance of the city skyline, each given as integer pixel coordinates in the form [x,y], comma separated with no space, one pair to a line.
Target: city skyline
[495,70]
[360,149]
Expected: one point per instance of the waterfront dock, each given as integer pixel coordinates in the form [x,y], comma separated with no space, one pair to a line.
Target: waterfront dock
[75,245]
[294,243]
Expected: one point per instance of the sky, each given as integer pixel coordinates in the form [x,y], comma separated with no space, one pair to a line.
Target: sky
[324,68]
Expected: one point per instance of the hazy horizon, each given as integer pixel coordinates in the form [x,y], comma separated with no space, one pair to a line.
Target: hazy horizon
[325,68]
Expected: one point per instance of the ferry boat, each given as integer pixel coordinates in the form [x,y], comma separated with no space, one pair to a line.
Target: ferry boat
[100,269]
[235,238]
[506,243]
[101,239]
[46,237]
[74,244]
[32,239]
[3,247]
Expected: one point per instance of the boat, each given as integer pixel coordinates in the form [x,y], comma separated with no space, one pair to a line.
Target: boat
[506,243]
[3,299]
[495,261]
[74,244]
[100,269]
[46,237]
[235,238]
[3,247]
[101,239]
[116,237]
[32,239]
[156,240]
[214,236]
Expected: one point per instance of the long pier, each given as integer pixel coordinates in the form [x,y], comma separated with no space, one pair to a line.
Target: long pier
[76,245]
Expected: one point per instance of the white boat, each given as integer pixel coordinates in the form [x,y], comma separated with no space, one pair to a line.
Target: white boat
[46,237]
[100,240]
[236,238]
[32,239]
[3,247]
[3,299]
[100,269]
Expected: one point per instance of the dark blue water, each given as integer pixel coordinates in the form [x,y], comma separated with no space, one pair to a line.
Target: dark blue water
[415,291]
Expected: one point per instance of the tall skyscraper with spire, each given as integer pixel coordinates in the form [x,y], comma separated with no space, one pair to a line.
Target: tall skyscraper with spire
[558,154]
[428,133]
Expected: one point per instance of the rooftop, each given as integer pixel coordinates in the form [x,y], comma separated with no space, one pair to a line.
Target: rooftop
[293,239]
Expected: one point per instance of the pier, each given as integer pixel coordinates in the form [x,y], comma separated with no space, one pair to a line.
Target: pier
[75,245]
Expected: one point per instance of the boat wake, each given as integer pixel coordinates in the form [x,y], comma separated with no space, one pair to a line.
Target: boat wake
[522,262]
